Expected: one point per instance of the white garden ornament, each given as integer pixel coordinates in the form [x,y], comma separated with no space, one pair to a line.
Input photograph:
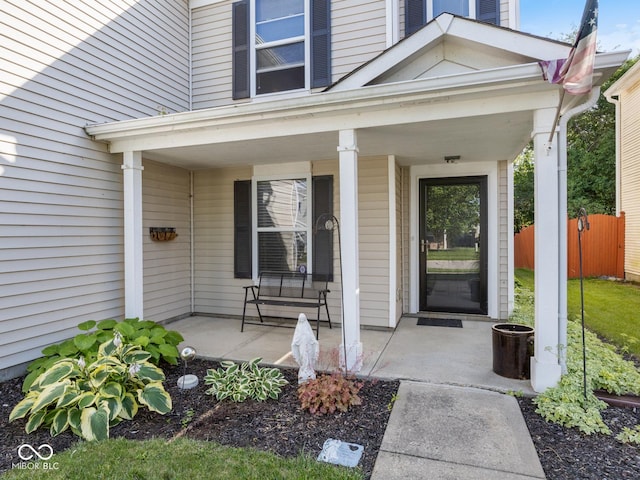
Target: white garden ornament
[305,349]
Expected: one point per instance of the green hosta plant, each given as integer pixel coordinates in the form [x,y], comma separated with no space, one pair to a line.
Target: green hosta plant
[150,336]
[329,393]
[89,398]
[240,382]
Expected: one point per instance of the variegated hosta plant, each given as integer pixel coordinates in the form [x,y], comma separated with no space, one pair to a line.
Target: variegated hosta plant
[89,399]
[240,382]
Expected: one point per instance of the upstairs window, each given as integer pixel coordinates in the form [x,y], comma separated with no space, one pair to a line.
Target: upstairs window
[457,7]
[280,45]
[280,39]
[419,12]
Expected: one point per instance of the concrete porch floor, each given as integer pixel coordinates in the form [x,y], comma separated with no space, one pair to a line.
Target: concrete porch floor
[438,355]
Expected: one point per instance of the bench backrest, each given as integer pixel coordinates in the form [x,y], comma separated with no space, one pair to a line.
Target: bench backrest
[290,285]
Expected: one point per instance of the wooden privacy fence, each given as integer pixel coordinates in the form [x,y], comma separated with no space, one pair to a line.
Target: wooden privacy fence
[602,247]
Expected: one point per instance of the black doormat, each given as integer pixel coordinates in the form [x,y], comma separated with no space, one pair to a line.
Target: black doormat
[440,322]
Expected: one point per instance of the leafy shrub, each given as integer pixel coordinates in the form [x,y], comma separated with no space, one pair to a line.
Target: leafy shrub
[606,370]
[91,398]
[524,306]
[629,435]
[329,393]
[152,337]
[240,382]
[565,404]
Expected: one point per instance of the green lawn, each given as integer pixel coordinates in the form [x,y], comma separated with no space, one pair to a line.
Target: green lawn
[612,309]
[182,459]
[460,253]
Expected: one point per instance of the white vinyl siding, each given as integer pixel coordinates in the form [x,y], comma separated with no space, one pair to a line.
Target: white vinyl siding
[167,273]
[373,217]
[504,13]
[630,177]
[211,55]
[358,33]
[216,289]
[62,66]
[503,241]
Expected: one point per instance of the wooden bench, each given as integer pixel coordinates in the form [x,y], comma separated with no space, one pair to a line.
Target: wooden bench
[286,289]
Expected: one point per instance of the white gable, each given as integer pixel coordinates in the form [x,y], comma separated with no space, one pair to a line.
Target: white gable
[452,45]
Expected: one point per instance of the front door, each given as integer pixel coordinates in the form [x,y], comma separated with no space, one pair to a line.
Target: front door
[453,253]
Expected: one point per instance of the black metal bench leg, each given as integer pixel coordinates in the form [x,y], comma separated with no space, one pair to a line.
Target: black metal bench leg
[318,323]
[244,309]
[259,312]
[326,307]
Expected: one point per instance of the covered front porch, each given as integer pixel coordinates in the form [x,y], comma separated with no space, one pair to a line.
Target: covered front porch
[432,354]
[457,99]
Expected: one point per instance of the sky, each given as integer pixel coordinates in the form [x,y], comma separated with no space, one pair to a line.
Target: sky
[618,21]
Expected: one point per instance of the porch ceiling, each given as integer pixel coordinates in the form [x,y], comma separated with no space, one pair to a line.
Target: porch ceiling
[480,138]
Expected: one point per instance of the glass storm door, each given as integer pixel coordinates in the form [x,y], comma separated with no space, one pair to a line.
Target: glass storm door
[453,233]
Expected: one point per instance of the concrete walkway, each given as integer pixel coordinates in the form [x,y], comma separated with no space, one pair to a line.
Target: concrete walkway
[449,421]
[446,432]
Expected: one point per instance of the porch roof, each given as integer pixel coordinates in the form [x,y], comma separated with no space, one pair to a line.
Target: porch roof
[481,112]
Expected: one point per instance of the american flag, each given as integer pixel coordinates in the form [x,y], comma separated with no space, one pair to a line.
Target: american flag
[575,73]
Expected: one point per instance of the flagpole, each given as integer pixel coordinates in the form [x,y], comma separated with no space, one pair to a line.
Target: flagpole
[555,122]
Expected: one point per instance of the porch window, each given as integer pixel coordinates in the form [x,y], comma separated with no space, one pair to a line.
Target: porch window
[419,12]
[280,45]
[282,225]
[281,234]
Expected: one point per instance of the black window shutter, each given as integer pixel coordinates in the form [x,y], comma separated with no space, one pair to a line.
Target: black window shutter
[320,43]
[415,16]
[488,11]
[322,193]
[242,229]
[240,44]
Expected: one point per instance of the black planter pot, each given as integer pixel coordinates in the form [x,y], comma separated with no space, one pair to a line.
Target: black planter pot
[512,350]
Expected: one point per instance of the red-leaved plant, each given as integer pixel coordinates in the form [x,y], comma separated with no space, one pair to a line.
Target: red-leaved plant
[328,393]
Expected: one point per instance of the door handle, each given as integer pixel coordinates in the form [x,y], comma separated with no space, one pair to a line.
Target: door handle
[423,245]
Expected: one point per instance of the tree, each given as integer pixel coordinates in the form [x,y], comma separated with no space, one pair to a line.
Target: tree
[523,208]
[591,155]
[454,211]
[591,158]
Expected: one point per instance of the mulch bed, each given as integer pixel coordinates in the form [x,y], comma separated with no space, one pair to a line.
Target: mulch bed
[568,454]
[278,426]
[283,428]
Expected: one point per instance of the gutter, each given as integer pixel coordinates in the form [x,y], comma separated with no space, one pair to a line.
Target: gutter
[614,98]
[562,220]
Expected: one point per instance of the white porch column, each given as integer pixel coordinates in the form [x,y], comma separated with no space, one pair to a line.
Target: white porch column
[545,367]
[348,154]
[133,264]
